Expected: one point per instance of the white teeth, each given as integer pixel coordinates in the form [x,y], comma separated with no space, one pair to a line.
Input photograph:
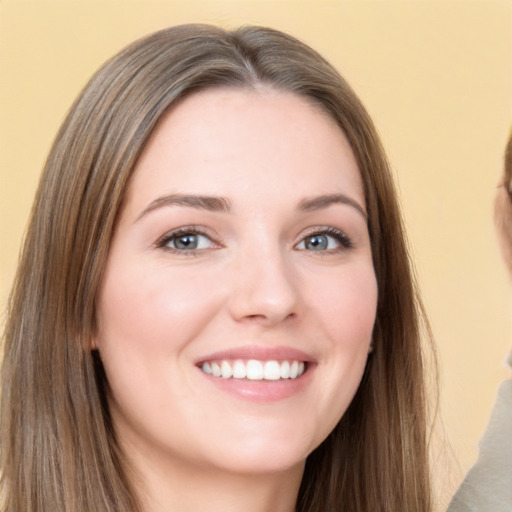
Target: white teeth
[285,370]
[216,371]
[271,370]
[254,369]
[294,370]
[226,370]
[239,371]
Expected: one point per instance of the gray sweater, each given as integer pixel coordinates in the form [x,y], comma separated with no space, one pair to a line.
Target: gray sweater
[488,484]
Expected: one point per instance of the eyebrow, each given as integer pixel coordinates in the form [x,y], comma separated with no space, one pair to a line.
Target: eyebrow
[319,202]
[212,204]
[222,204]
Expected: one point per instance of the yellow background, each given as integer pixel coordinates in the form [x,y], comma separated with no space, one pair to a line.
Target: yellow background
[435,75]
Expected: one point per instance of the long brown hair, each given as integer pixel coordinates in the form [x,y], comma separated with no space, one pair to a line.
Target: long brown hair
[58,448]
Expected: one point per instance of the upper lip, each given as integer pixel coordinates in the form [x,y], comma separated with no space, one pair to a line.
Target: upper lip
[260,353]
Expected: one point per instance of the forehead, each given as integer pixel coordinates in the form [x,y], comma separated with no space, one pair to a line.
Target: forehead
[227,141]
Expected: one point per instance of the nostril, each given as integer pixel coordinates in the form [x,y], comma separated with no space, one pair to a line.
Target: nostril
[269,318]
[265,293]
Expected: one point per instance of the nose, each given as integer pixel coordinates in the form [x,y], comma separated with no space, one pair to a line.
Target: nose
[265,289]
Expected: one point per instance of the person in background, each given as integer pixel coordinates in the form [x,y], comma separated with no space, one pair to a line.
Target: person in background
[488,485]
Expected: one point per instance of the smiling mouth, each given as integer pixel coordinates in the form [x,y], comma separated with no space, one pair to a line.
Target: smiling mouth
[253,369]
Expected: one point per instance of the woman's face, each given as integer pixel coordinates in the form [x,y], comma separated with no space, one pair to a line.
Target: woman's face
[242,247]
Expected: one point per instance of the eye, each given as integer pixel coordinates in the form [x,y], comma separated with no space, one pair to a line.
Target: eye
[330,239]
[186,240]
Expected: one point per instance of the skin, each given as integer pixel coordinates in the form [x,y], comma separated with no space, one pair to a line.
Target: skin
[255,280]
[503,219]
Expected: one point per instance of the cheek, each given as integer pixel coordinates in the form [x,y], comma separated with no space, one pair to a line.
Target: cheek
[345,307]
[155,306]
[147,322]
[348,306]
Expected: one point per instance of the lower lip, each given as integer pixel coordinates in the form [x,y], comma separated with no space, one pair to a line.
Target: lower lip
[262,390]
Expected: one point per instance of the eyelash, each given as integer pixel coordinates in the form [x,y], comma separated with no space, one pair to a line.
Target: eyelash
[186,230]
[339,235]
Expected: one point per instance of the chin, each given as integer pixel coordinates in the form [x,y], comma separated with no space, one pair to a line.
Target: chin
[265,462]
[260,453]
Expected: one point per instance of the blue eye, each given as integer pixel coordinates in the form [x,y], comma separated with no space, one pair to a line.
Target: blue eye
[185,241]
[318,243]
[326,240]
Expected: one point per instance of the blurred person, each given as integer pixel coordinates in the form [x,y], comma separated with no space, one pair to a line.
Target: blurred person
[488,485]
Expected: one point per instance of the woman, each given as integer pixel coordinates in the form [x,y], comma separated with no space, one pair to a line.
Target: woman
[214,305]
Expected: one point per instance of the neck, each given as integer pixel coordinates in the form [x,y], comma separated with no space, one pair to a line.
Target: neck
[189,488]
